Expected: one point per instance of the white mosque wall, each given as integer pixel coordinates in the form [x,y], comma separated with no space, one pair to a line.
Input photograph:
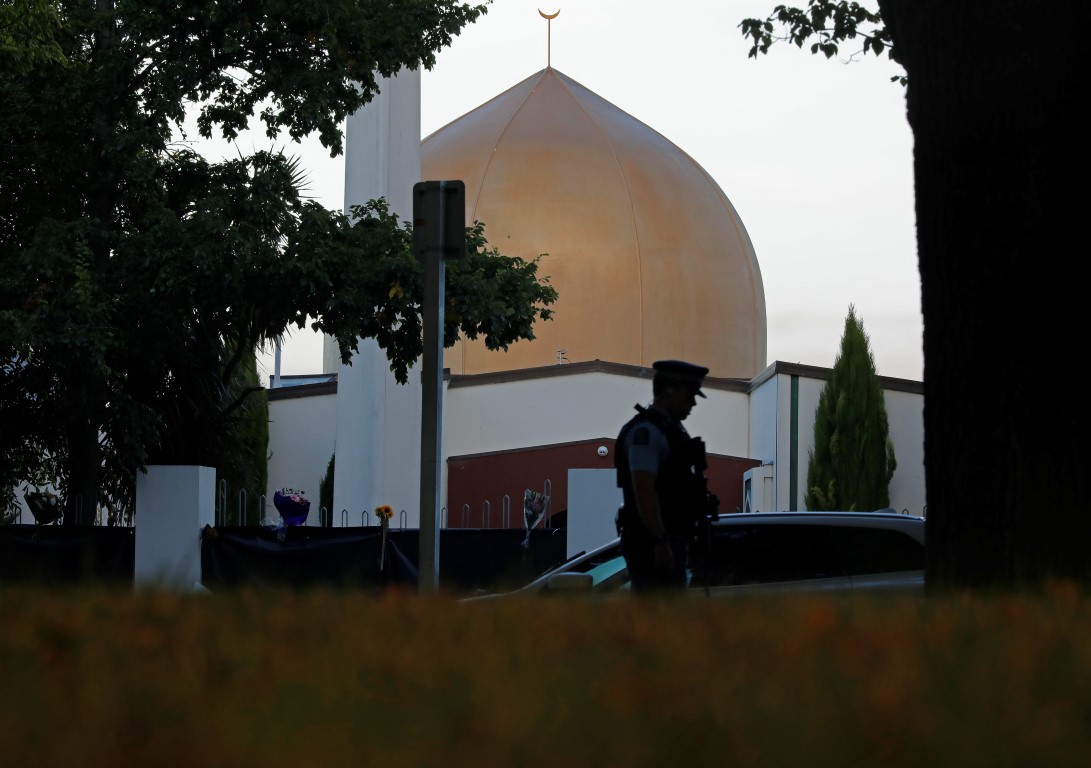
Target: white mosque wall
[763,422]
[378,423]
[905,420]
[905,415]
[501,416]
[302,434]
[722,420]
[810,390]
[771,409]
[770,436]
[507,415]
[302,438]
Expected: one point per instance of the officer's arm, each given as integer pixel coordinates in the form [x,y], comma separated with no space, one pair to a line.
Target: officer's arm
[647,503]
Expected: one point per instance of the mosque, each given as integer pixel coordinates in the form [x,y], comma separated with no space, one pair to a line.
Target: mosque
[650,261]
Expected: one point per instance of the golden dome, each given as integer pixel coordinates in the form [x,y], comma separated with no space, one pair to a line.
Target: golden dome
[649,258]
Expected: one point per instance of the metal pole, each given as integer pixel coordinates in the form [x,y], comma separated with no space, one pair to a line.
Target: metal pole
[432,404]
[439,233]
[276,366]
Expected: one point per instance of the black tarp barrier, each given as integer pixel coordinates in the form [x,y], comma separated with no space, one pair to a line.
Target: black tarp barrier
[494,559]
[68,555]
[470,560]
[301,557]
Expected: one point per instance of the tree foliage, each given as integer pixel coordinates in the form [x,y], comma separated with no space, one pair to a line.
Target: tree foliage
[139,277]
[243,462]
[852,461]
[830,23]
[27,34]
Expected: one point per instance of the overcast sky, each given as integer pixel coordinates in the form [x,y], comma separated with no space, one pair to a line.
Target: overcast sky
[815,154]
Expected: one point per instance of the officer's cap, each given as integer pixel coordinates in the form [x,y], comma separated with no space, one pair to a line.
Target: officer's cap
[686,373]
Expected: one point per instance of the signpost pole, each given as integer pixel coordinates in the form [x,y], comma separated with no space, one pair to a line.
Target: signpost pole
[439,233]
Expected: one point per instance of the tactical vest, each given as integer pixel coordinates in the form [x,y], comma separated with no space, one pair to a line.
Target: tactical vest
[680,483]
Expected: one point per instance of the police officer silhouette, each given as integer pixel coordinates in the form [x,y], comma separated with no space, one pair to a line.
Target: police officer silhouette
[660,470]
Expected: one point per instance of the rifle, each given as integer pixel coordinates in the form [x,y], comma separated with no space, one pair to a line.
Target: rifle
[708,509]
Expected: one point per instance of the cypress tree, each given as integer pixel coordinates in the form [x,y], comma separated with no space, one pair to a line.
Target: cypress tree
[244,454]
[852,461]
[325,493]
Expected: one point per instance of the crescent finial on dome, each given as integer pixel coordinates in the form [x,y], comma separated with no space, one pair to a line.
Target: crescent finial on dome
[549,17]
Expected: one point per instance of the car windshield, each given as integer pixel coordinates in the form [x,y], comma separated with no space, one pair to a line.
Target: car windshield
[586,563]
[600,573]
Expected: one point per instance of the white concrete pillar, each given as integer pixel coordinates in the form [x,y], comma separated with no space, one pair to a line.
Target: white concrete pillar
[379,420]
[173,505]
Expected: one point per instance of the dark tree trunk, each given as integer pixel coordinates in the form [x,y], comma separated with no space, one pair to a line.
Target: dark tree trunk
[1001,159]
[86,387]
[84,475]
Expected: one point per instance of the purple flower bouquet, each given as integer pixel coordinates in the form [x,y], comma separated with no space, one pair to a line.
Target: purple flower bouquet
[292,505]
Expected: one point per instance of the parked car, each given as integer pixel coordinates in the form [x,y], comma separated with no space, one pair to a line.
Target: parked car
[768,552]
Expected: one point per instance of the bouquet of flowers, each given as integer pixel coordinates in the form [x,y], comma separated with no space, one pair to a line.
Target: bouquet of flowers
[383,512]
[292,505]
[46,506]
[535,507]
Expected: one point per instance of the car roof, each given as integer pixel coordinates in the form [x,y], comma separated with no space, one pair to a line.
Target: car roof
[910,524]
[894,520]
[806,513]
[880,519]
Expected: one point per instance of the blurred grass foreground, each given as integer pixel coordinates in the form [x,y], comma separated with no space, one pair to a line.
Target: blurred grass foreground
[120,678]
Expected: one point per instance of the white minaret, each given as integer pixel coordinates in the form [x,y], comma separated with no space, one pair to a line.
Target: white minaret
[378,420]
